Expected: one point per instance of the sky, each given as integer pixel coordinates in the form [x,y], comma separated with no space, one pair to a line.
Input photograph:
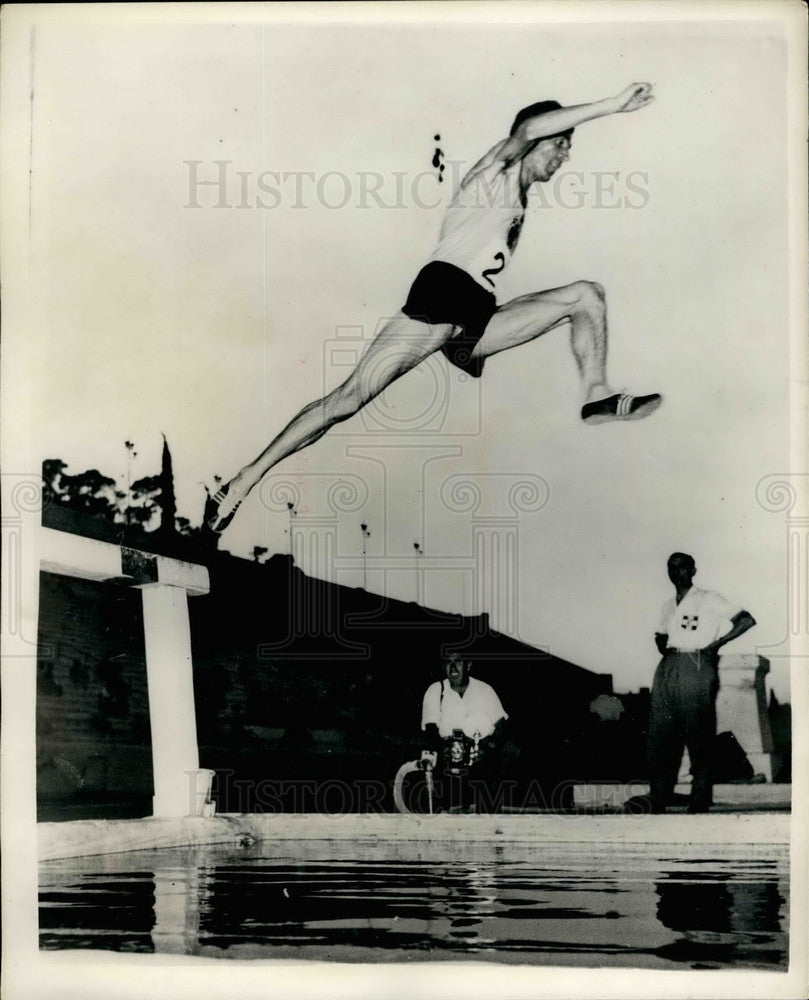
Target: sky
[214,314]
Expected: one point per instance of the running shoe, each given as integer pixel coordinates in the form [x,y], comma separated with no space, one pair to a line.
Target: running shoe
[220,509]
[621,406]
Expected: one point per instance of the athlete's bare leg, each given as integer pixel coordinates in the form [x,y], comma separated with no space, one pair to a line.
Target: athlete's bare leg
[403,343]
[583,305]
[398,347]
[523,319]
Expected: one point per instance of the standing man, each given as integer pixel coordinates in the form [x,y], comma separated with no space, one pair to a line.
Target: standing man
[452,307]
[693,628]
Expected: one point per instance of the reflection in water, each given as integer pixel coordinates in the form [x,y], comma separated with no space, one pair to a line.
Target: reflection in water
[717,917]
[580,906]
[96,910]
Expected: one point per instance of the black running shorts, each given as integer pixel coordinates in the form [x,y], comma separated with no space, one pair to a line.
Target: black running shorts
[444,293]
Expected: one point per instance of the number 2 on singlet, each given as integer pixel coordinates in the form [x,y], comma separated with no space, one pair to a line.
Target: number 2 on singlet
[495,270]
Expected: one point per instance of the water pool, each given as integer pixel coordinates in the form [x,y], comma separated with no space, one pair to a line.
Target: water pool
[580,905]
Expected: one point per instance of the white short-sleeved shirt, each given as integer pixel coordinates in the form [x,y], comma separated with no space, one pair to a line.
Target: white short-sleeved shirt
[477,711]
[700,618]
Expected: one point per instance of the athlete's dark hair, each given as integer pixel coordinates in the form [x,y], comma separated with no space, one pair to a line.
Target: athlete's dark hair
[540,108]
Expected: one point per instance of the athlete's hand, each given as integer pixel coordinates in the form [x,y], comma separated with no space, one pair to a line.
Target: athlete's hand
[634,97]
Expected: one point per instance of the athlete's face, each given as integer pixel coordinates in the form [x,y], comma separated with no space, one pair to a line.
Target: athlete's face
[548,156]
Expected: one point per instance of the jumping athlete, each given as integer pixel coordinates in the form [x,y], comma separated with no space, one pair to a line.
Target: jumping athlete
[451,306]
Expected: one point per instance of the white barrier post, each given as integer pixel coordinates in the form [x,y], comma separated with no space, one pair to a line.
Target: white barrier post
[169,674]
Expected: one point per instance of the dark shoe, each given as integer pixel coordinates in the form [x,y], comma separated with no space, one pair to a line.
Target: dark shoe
[220,509]
[621,406]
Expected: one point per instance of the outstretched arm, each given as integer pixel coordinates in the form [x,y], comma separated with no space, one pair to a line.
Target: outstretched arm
[485,161]
[636,96]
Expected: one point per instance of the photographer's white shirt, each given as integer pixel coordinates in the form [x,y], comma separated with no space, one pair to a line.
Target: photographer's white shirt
[477,711]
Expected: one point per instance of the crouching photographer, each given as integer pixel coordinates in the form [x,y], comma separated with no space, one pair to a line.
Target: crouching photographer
[463,722]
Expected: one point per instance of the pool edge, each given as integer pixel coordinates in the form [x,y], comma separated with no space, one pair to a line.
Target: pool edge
[79,838]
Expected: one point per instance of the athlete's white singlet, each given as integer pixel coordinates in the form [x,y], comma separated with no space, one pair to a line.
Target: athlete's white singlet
[482,224]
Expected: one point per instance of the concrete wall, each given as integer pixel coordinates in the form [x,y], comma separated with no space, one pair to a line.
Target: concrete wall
[93,734]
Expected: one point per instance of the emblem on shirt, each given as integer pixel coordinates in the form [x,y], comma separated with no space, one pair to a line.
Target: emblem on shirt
[689,622]
[514,232]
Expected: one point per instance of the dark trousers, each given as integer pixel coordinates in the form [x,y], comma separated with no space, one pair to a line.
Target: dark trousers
[683,713]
